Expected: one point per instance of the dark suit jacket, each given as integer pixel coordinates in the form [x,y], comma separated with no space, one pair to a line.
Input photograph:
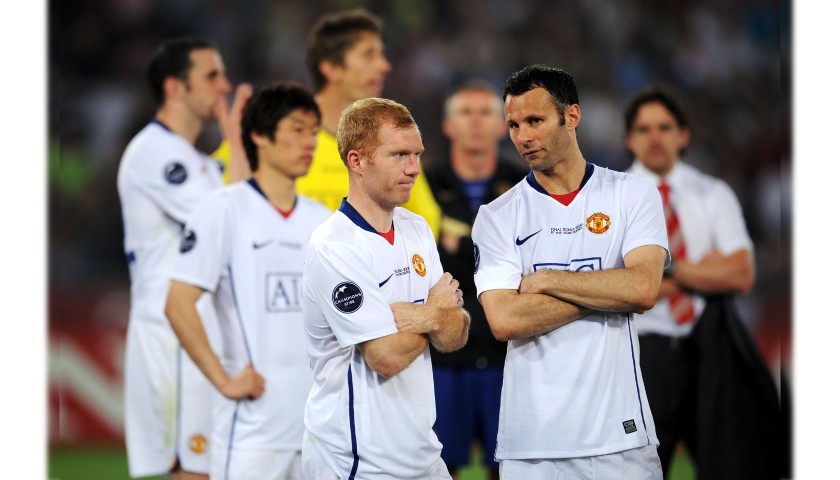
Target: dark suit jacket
[740,432]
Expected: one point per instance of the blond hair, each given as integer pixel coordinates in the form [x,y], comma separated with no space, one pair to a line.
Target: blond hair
[358,127]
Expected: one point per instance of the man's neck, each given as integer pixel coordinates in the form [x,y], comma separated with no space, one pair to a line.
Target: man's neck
[378,217]
[278,188]
[473,166]
[180,121]
[565,176]
[331,103]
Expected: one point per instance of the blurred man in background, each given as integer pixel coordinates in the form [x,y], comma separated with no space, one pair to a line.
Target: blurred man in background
[244,246]
[161,179]
[699,391]
[345,58]
[468,382]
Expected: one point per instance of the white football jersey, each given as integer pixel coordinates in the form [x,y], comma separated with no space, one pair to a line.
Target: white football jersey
[577,390]
[366,425]
[161,179]
[240,248]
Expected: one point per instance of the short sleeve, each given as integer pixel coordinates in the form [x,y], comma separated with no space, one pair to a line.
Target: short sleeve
[174,183]
[497,264]
[340,280]
[205,246]
[730,228]
[645,219]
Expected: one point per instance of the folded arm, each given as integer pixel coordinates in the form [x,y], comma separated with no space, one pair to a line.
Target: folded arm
[391,354]
[441,318]
[716,273]
[512,314]
[633,288]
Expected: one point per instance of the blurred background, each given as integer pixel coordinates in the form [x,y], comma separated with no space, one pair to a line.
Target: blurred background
[729,60]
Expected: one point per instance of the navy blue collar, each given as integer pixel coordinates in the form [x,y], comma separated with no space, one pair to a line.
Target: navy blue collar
[590,169]
[253,182]
[155,120]
[355,216]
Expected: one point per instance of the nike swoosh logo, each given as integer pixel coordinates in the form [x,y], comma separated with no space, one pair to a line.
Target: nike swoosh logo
[260,245]
[383,282]
[520,242]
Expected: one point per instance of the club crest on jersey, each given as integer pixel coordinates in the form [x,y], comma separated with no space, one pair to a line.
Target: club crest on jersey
[418,264]
[175,173]
[187,240]
[347,297]
[198,443]
[598,223]
[477,256]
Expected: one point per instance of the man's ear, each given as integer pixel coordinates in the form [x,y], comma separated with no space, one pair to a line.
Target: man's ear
[173,88]
[259,139]
[330,70]
[572,114]
[354,162]
[685,137]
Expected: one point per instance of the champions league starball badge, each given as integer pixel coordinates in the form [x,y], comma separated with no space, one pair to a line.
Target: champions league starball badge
[175,173]
[347,297]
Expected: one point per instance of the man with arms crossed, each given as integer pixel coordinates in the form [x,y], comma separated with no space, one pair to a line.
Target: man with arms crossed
[375,296]
[712,255]
[161,178]
[563,260]
[245,245]
[468,383]
[345,58]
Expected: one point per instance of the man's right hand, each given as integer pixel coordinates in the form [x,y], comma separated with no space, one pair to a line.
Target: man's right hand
[230,119]
[247,384]
[445,293]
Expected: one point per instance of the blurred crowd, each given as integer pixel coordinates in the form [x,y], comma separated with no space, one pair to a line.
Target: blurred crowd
[729,60]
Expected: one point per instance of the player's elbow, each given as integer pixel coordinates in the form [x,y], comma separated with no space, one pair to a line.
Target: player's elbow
[170,309]
[745,281]
[385,368]
[501,329]
[384,364]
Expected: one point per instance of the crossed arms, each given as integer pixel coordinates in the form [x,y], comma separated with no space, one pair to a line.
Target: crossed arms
[440,321]
[549,299]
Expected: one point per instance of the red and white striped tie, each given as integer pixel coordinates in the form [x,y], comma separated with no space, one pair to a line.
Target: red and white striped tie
[682,308]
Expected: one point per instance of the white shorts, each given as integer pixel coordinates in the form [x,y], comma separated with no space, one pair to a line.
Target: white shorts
[638,463]
[315,468]
[168,401]
[254,465]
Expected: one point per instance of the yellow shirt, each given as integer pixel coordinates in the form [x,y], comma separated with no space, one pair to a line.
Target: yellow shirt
[328,182]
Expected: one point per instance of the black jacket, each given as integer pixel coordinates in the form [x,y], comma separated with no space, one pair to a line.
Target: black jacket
[482,348]
[741,430]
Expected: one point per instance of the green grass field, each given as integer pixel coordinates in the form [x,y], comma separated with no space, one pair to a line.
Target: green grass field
[109,463]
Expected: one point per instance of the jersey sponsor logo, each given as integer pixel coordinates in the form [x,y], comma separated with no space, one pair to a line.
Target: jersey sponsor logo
[629,426]
[198,443]
[347,297]
[418,264]
[283,292]
[598,223]
[188,240]
[575,265]
[520,242]
[477,256]
[175,173]
[258,245]
[401,271]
